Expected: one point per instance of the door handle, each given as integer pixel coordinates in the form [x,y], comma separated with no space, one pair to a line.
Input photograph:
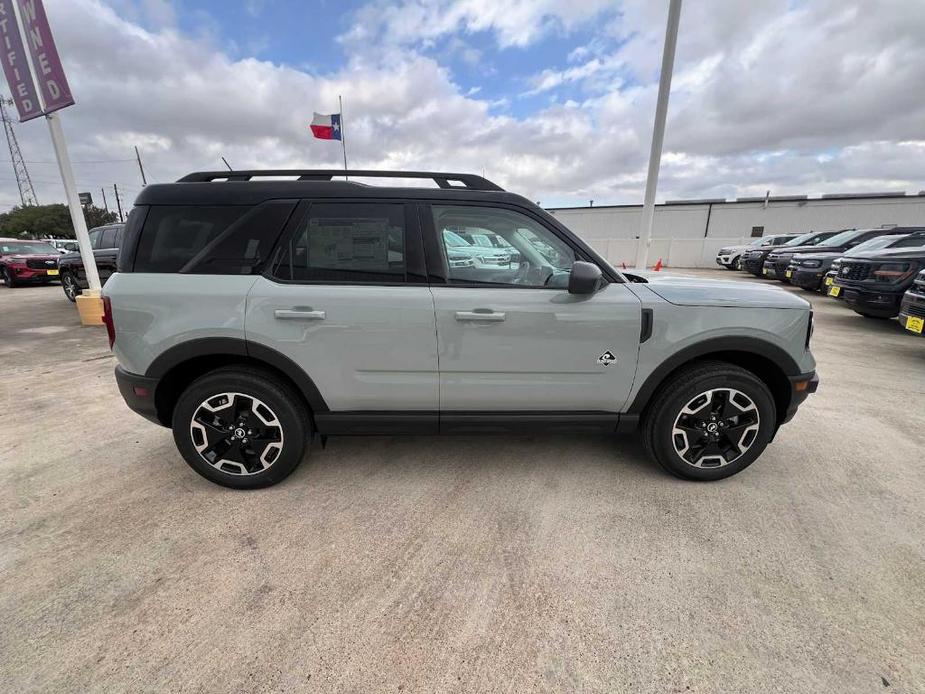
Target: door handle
[488,316]
[298,314]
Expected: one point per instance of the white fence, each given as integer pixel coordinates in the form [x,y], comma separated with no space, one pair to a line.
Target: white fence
[689,253]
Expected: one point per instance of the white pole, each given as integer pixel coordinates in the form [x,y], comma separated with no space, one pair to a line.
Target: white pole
[73,201]
[658,133]
[67,176]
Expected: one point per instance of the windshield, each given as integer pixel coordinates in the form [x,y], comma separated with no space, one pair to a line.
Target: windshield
[802,239]
[761,241]
[843,237]
[454,239]
[874,244]
[14,247]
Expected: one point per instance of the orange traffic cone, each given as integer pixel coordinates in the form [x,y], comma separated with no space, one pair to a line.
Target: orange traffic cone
[658,265]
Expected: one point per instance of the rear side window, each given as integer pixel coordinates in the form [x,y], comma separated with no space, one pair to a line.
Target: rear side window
[346,242]
[205,239]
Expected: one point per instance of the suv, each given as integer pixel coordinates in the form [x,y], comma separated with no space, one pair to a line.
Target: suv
[810,269]
[912,310]
[873,283]
[753,260]
[776,263]
[27,262]
[105,242]
[249,315]
[730,257]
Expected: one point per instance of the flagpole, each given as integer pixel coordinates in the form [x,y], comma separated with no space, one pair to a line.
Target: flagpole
[343,136]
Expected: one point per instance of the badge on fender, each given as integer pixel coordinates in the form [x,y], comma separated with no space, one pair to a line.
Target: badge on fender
[606,359]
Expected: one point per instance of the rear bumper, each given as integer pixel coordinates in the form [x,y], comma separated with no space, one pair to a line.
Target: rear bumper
[138,393]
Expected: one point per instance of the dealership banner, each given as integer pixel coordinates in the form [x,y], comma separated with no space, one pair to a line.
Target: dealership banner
[45,61]
[16,66]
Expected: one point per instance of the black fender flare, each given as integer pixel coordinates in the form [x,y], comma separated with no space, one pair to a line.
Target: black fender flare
[239,347]
[718,345]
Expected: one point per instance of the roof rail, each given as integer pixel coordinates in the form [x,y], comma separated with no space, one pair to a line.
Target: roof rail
[444,180]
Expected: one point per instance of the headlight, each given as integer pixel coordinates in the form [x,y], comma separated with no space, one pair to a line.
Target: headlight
[892,272]
[812,263]
[836,264]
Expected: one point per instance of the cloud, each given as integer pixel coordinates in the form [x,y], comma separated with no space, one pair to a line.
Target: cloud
[796,98]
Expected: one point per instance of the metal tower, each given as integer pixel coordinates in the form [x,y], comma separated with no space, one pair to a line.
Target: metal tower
[26,191]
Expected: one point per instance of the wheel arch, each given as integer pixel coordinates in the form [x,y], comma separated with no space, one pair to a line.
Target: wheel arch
[178,366]
[770,363]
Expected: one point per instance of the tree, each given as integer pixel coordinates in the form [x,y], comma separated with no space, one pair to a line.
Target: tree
[39,221]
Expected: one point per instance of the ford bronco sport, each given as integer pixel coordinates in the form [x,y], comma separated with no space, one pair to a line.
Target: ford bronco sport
[249,315]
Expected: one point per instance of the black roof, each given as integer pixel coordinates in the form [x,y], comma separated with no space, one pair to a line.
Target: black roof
[241,188]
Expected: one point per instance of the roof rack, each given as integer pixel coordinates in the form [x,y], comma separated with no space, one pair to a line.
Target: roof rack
[444,180]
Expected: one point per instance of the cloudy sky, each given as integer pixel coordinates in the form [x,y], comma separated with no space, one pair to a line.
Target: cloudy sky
[551,99]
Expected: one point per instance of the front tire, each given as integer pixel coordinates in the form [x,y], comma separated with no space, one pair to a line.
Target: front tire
[709,421]
[8,278]
[241,427]
[69,285]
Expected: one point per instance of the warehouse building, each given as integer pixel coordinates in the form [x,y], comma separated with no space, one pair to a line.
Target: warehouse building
[688,233]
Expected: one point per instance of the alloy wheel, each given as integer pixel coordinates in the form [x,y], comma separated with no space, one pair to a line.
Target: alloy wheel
[236,433]
[70,286]
[715,428]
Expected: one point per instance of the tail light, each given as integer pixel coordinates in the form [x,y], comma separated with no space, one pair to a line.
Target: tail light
[108,322]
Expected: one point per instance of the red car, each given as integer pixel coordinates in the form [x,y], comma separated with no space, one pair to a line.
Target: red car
[27,262]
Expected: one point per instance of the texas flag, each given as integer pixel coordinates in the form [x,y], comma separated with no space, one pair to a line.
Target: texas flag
[326,127]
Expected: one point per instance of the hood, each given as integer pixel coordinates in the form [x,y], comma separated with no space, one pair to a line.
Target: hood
[820,255]
[34,256]
[915,253]
[821,248]
[734,247]
[694,291]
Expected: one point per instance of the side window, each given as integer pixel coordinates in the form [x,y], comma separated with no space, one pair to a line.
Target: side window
[108,238]
[526,253]
[911,242]
[346,242]
[117,243]
[175,234]
[94,235]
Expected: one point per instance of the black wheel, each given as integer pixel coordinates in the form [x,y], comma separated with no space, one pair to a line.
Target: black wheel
[709,421]
[241,427]
[69,285]
[8,278]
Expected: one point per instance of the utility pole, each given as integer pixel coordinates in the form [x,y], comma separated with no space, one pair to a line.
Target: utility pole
[144,181]
[658,133]
[115,188]
[23,180]
[105,204]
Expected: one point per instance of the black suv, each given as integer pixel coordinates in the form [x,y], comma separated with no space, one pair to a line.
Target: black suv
[775,265]
[808,270]
[912,310]
[753,260]
[873,284]
[105,241]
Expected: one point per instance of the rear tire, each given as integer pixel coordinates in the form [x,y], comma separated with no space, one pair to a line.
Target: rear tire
[241,427]
[682,434]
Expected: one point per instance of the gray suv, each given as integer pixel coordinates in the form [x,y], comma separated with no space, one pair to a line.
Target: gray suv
[250,314]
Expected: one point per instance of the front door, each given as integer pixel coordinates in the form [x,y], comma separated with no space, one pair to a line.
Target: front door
[510,336]
[346,300]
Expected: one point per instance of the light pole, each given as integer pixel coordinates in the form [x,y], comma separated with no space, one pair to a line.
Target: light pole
[658,133]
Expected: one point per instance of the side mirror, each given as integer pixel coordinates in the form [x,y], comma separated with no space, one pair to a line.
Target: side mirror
[585,278]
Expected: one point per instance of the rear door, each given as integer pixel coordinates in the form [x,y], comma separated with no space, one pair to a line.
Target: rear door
[346,299]
[512,338]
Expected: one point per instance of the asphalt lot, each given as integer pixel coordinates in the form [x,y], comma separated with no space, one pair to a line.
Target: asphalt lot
[460,563]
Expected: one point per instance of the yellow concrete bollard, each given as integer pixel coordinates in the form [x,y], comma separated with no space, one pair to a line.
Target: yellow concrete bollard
[90,307]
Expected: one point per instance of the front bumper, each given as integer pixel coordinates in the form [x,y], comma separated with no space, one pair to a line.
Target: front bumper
[882,302]
[912,313]
[775,270]
[802,387]
[139,393]
[724,260]
[805,278]
[753,265]
[27,274]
